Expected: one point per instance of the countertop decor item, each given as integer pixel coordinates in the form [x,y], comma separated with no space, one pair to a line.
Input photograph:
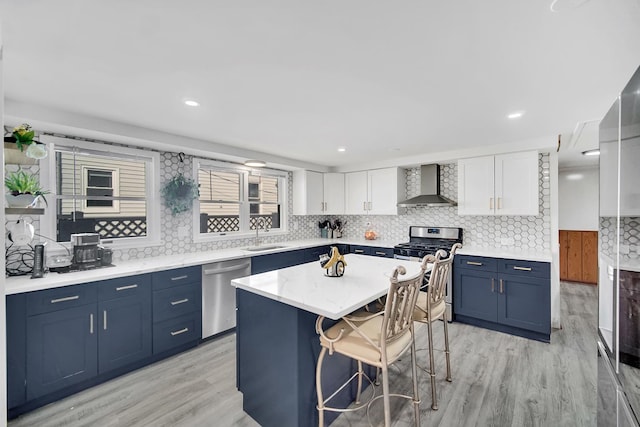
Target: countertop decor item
[24,190]
[333,265]
[23,136]
[179,193]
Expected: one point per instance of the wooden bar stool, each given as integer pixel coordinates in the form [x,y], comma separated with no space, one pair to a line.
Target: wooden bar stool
[377,339]
[431,306]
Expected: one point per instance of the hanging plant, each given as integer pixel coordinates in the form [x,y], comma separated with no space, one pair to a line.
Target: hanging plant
[179,193]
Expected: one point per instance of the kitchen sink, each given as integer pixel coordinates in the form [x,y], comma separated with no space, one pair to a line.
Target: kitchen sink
[263,248]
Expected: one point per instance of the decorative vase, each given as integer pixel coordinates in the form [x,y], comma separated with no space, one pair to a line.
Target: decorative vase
[20,201]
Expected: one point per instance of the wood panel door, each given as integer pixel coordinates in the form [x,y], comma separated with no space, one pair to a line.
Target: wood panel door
[579,256]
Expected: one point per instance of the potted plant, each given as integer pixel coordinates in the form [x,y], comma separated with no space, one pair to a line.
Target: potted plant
[179,193]
[23,137]
[24,189]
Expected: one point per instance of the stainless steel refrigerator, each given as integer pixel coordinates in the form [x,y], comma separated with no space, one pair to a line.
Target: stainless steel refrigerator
[619,261]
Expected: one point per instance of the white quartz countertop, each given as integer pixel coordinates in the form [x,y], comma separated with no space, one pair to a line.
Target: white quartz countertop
[16,285]
[509,253]
[306,287]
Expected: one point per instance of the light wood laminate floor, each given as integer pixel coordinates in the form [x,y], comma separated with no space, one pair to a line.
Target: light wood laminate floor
[498,380]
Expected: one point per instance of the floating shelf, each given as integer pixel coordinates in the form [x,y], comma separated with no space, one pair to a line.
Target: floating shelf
[24,211]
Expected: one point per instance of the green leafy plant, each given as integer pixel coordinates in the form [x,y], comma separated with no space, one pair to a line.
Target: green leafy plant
[24,183]
[23,135]
[179,193]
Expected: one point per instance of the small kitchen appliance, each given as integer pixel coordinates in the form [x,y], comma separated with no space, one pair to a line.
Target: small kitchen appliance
[85,250]
[428,240]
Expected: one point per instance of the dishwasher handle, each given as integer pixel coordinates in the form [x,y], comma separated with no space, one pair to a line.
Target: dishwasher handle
[226,269]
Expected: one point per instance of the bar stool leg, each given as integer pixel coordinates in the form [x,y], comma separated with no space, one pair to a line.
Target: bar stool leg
[360,373]
[414,373]
[432,372]
[319,387]
[385,395]
[446,349]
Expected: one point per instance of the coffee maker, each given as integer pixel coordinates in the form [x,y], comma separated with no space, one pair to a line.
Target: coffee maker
[85,250]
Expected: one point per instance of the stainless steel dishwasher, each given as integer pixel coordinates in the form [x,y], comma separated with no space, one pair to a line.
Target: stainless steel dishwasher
[219,296]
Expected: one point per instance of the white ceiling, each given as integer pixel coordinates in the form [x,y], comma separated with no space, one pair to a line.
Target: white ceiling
[388,80]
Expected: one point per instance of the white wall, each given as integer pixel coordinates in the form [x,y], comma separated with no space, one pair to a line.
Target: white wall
[578,190]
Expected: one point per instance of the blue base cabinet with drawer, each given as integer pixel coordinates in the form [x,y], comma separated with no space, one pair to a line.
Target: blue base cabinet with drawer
[67,339]
[506,295]
[177,308]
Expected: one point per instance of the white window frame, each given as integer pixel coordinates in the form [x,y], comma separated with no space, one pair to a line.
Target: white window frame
[283,191]
[115,186]
[152,179]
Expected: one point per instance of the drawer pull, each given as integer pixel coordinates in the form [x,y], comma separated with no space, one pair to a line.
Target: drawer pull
[124,288]
[91,323]
[515,267]
[104,319]
[182,301]
[181,331]
[358,251]
[180,277]
[473,263]
[381,253]
[53,301]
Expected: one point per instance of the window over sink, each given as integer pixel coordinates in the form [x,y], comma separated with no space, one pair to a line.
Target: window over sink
[100,188]
[235,200]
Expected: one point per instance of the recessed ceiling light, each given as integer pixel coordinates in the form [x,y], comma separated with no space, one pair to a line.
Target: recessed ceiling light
[595,152]
[342,149]
[255,163]
[192,103]
[516,115]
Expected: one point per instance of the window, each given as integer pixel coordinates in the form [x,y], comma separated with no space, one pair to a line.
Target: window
[235,199]
[99,188]
[98,183]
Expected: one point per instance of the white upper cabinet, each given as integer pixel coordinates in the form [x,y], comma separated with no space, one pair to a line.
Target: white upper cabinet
[316,193]
[374,192]
[506,184]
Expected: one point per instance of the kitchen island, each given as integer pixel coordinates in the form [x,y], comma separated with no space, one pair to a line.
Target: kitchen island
[277,345]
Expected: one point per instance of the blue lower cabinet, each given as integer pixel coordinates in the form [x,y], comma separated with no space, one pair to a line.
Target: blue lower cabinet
[510,296]
[269,262]
[525,303]
[475,294]
[16,350]
[62,349]
[176,332]
[124,332]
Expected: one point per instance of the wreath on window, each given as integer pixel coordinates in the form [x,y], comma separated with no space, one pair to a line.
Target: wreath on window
[179,193]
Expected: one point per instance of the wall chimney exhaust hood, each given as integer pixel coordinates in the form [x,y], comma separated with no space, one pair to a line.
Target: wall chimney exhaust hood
[429,190]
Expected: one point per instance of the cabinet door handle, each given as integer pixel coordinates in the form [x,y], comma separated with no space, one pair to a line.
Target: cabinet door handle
[493,285]
[515,267]
[490,203]
[180,277]
[182,301]
[499,202]
[124,288]
[91,323]
[364,206]
[104,319]
[321,206]
[381,253]
[54,301]
[370,205]
[473,263]
[501,286]
[181,331]
[358,251]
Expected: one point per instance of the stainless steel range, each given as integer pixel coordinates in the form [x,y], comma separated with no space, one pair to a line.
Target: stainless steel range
[427,240]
